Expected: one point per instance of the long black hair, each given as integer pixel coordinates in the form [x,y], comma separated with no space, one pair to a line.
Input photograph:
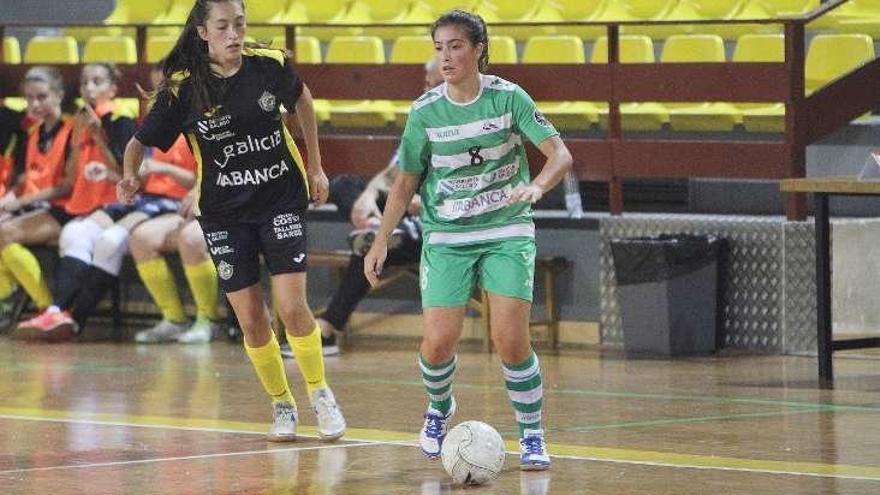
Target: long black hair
[190,56]
[474,28]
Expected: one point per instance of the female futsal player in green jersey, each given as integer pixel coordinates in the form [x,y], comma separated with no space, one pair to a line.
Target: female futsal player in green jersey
[462,149]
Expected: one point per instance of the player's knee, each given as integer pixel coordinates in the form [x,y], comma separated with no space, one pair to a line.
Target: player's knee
[143,246]
[78,238]
[192,241]
[110,249]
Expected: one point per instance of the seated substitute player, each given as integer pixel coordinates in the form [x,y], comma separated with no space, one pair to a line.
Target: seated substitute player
[175,232]
[462,148]
[252,191]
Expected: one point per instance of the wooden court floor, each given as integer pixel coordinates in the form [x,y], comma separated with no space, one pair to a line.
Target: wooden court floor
[126,419]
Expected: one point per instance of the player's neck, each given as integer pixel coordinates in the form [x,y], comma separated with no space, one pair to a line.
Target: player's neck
[465,90]
[226,68]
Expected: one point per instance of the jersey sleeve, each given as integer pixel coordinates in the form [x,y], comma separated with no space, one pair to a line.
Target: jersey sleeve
[161,126]
[120,132]
[529,119]
[290,86]
[413,151]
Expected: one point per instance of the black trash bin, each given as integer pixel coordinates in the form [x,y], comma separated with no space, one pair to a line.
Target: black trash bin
[667,289]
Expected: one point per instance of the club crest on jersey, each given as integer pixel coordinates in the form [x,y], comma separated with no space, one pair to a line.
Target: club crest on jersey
[540,119]
[224,270]
[267,101]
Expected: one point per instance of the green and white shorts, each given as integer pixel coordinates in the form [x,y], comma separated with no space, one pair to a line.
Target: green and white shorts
[449,273]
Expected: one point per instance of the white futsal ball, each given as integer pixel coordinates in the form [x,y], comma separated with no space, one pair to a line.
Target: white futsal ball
[472,453]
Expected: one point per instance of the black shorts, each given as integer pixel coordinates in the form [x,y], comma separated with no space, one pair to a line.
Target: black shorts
[152,205]
[236,247]
[60,215]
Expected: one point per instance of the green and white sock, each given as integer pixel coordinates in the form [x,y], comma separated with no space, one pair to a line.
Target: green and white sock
[438,383]
[526,392]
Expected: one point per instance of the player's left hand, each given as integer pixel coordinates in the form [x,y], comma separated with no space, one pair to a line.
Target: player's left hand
[319,186]
[525,193]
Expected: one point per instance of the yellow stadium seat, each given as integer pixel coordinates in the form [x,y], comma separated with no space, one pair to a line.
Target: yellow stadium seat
[502,50]
[578,10]
[618,10]
[561,49]
[11,50]
[761,117]
[358,113]
[171,22]
[855,16]
[412,50]
[308,48]
[523,12]
[828,57]
[788,8]
[158,47]
[51,50]
[116,49]
[634,49]
[409,50]
[394,12]
[554,49]
[119,15]
[15,103]
[440,7]
[695,10]
[699,116]
[265,11]
[331,12]
[832,55]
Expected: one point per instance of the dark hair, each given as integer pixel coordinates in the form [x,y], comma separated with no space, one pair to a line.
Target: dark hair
[473,26]
[190,56]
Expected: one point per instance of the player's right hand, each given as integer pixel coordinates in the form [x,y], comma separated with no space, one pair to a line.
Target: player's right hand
[126,189]
[375,260]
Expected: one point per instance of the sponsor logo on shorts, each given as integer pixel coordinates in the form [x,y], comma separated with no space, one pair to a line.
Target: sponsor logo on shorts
[286,226]
[267,101]
[225,270]
[216,236]
[218,250]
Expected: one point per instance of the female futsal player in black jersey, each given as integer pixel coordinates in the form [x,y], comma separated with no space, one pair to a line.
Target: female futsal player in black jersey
[252,191]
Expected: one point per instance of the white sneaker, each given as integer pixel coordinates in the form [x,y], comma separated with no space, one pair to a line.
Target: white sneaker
[164,331]
[331,424]
[434,431]
[200,332]
[283,422]
[533,456]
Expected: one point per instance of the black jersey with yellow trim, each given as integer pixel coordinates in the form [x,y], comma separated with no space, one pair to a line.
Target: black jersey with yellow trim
[248,164]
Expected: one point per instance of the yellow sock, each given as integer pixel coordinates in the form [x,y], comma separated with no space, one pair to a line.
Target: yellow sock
[267,362]
[307,351]
[160,283]
[202,278]
[7,282]
[26,269]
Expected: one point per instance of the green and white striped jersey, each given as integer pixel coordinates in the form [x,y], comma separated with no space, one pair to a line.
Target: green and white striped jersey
[471,156]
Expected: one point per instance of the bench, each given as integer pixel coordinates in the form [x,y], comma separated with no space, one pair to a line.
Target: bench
[546,267]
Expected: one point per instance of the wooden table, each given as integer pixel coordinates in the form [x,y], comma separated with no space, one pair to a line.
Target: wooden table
[822,188]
